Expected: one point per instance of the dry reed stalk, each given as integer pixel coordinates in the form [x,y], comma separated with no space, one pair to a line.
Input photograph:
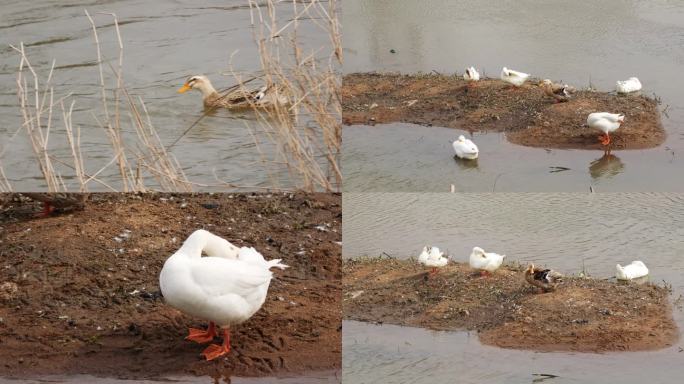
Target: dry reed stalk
[307,131]
[5,185]
[148,158]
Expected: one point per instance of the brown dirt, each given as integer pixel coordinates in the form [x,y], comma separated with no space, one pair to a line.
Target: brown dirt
[584,315]
[89,304]
[528,116]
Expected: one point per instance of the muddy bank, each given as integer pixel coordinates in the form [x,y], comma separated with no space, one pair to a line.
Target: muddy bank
[88,301]
[528,116]
[584,315]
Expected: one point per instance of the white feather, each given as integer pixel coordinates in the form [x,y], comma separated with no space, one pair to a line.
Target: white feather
[634,270]
[627,86]
[605,121]
[471,74]
[226,287]
[514,77]
[465,148]
[432,257]
[487,261]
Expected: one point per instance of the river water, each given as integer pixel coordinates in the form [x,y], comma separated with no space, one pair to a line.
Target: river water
[564,231]
[577,42]
[164,43]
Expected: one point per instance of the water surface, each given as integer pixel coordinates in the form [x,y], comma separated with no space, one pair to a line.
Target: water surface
[577,42]
[164,43]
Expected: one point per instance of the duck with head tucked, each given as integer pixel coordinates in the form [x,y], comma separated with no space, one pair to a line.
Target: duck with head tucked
[226,287]
[485,262]
[545,279]
[515,78]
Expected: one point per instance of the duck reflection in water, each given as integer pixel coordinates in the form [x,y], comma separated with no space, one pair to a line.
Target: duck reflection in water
[466,164]
[606,166]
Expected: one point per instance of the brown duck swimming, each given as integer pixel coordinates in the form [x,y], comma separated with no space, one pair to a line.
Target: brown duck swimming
[238,98]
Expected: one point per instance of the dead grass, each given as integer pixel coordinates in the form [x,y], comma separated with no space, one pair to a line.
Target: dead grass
[307,130]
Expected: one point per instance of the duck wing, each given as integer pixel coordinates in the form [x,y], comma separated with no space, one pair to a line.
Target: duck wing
[218,277]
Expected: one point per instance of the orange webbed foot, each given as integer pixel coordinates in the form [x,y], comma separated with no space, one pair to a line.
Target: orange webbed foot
[214,351]
[201,336]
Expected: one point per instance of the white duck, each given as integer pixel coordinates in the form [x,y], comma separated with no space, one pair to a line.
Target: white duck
[631,271]
[627,86]
[465,148]
[432,257]
[227,287]
[513,77]
[486,262]
[606,122]
[471,75]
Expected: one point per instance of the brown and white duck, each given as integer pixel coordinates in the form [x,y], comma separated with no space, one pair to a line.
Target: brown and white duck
[560,92]
[238,98]
[544,279]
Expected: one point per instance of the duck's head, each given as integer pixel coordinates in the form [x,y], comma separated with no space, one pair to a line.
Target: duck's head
[461,139]
[546,82]
[621,118]
[198,82]
[477,251]
[530,269]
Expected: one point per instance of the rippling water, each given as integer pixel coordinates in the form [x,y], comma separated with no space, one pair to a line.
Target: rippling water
[637,38]
[564,231]
[164,43]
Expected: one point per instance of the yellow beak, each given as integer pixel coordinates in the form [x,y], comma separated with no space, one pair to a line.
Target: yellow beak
[184,88]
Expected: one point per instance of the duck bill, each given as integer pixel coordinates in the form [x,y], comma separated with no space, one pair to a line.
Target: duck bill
[184,88]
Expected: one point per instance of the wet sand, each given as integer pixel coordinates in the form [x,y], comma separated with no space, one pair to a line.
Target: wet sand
[527,115]
[582,315]
[87,299]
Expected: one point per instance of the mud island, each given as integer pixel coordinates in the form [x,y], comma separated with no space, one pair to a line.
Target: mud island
[582,314]
[527,115]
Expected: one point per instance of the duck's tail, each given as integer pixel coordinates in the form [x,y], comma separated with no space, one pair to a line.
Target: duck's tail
[276,263]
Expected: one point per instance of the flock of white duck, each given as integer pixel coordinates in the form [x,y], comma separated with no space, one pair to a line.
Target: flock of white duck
[226,287]
[605,122]
[544,279]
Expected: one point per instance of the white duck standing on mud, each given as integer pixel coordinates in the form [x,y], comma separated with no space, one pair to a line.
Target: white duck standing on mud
[486,262]
[226,287]
[628,86]
[432,257]
[606,122]
[471,75]
[514,77]
[634,270]
[465,148]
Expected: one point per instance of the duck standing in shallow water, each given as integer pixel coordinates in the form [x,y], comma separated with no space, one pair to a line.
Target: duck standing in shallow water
[606,122]
[559,92]
[432,257]
[486,262]
[514,77]
[471,75]
[465,148]
[238,98]
[628,86]
[634,270]
[226,287]
[544,279]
